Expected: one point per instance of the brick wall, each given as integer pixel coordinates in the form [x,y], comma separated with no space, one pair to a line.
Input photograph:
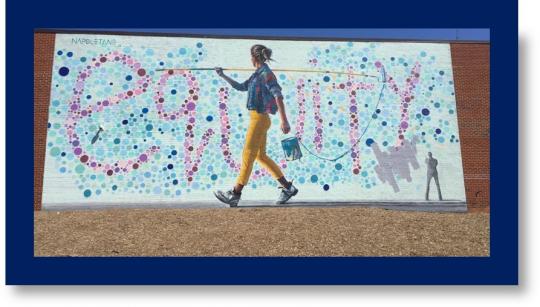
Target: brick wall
[471,78]
[43,61]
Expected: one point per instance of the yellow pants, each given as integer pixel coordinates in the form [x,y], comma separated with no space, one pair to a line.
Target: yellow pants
[255,148]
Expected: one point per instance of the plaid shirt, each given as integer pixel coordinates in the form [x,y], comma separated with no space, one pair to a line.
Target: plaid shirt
[263,90]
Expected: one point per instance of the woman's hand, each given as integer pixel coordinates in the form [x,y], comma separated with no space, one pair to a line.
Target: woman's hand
[219,71]
[285,127]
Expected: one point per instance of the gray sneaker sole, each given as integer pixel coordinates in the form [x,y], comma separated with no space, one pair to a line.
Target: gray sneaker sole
[225,201]
[281,202]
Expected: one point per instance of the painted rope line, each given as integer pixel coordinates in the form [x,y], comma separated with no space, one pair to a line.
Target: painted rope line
[274,69]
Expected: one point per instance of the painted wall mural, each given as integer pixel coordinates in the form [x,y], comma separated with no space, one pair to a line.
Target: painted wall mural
[121,130]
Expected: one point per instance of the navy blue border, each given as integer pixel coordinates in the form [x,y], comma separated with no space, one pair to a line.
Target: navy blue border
[500,268]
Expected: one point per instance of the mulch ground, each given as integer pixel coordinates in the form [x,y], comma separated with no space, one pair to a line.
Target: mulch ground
[260,232]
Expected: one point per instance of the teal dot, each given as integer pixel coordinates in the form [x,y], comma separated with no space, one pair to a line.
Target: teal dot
[55,151]
[114,187]
[79,169]
[437,104]
[87,193]
[441,139]
[55,103]
[182,51]
[62,169]
[117,141]
[339,166]
[364,174]
[314,178]
[149,127]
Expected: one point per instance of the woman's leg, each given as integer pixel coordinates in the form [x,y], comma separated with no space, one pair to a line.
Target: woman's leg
[269,164]
[255,137]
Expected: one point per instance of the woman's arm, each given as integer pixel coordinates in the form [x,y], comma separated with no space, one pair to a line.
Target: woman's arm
[237,86]
[273,87]
[285,126]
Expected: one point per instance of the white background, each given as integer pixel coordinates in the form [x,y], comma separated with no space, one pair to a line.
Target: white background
[526,294]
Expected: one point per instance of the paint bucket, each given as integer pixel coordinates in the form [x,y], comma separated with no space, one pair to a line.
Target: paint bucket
[291,148]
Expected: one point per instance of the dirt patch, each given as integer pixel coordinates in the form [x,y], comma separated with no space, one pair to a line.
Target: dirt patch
[260,232]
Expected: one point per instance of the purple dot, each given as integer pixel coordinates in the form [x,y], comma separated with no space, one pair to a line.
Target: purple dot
[77,151]
[143,157]
[404,125]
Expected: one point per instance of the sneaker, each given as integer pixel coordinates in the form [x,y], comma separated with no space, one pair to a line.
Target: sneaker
[286,194]
[230,198]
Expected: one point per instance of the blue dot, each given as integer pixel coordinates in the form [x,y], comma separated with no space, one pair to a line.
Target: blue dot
[326,187]
[125,122]
[425,112]
[364,59]
[369,141]
[87,193]
[182,51]
[213,177]
[209,118]
[384,123]
[129,77]
[145,110]
[170,166]
[441,72]
[326,79]
[173,92]
[59,52]
[174,152]
[69,54]
[149,127]
[438,131]
[88,96]
[302,180]
[314,178]
[175,181]
[63,71]
[282,77]
[161,63]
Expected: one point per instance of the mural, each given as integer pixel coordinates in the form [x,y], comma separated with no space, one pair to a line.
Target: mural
[123,128]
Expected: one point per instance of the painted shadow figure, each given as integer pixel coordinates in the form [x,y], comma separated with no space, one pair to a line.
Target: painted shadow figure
[432,173]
